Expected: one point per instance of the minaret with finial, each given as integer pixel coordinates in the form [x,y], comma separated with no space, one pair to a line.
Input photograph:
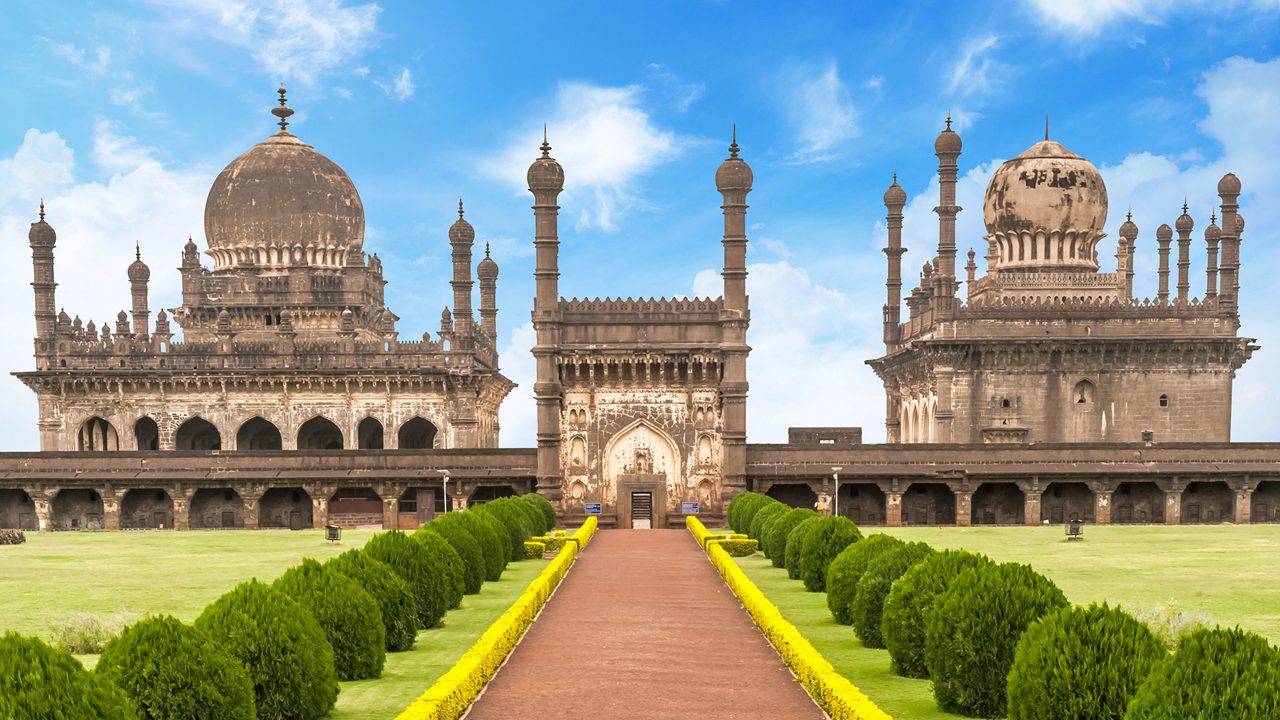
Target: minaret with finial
[947,147]
[1229,272]
[461,237]
[1184,225]
[895,198]
[1212,234]
[283,112]
[1128,241]
[546,181]
[734,179]
[139,275]
[1164,236]
[42,239]
[487,271]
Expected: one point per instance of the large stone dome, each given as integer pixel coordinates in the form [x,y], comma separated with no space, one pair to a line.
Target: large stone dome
[1045,210]
[280,204]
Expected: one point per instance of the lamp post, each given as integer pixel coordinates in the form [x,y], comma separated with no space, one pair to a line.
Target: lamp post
[835,504]
[444,485]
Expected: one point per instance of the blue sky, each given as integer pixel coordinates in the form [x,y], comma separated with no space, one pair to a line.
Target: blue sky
[121,114]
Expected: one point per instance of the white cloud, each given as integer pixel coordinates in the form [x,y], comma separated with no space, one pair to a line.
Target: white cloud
[97,224]
[291,39]
[604,139]
[1089,17]
[976,72]
[97,63]
[400,87]
[519,413]
[115,152]
[820,111]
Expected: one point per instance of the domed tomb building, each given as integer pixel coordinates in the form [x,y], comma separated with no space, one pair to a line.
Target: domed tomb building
[1046,347]
[286,342]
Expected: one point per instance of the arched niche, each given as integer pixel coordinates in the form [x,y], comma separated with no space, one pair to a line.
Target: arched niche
[369,434]
[147,434]
[197,434]
[319,433]
[417,434]
[97,435]
[641,448]
[258,434]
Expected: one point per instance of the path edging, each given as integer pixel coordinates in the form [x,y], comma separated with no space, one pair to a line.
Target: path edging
[454,691]
[832,691]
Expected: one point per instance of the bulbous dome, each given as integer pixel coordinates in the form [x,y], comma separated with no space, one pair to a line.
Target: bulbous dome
[138,271]
[283,203]
[734,174]
[1046,209]
[487,269]
[1213,232]
[1184,223]
[948,142]
[42,235]
[1128,230]
[1164,232]
[545,174]
[1229,185]
[895,196]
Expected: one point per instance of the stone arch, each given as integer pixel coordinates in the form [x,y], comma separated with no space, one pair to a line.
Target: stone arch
[577,452]
[1207,502]
[146,434]
[319,433]
[705,455]
[1266,502]
[926,503]
[77,509]
[798,495]
[1083,394]
[417,433]
[258,433]
[146,509]
[369,434]
[863,503]
[18,510]
[97,435]
[484,493]
[216,508]
[1066,501]
[197,434]
[288,508]
[640,448]
[998,503]
[1137,502]
[356,507]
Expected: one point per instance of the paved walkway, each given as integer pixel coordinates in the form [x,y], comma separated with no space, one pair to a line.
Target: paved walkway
[644,627]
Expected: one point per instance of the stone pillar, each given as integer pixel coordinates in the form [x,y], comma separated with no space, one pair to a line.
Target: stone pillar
[1031,505]
[390,512]
[182,508]
[1173,507]
[1244,504]
[251,499]
[964,508]
[44,511]
[1102,506]
[893,509]
[111,500]
[319,506]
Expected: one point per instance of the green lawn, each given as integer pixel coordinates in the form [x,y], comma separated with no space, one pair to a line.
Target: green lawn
[408,674]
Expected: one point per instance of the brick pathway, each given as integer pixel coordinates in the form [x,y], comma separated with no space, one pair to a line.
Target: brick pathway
[644,627]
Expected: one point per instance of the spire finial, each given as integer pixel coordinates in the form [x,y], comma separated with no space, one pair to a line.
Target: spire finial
[1184,204]
[137,250]
[948,120]
[733,147]
[459,207]
[1129,216]
[486,248]
[546,147]
[284,111]
[895,176]
[1046,126]
[41,209]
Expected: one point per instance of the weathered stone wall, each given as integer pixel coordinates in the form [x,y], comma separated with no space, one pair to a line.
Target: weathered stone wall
[216,509]
[17,511]
[146,509]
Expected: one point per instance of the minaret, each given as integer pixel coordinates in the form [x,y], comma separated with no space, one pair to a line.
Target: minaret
[139,274]
[1229,192]
[947,147]
[1212,235]
[1185,225]
[1164,236]
[546,181]
[894,200]
[461,237]
[733,180]
[42,239]
[487,271]
[1124,258]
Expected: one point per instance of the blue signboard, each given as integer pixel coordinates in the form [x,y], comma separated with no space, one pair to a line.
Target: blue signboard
[689,508]
[592,508]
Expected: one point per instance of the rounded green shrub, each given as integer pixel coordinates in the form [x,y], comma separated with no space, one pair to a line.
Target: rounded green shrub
[846,570]
[545,507]
[973,629]
[749,510]
[172,671]
[735,508]
[349,616]
[282,647]
[37,681]
[829,537]
[764,515]
[533,515]
[1216,673]
[777,530]
[515,523]
[906,609]
[467,547]
[492,537]
[795,544]
[393,595]
[1080,663]
[873,588]
[424,572]
[451,562]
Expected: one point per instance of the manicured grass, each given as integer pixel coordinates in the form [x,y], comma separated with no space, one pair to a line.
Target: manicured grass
[55,574]
[408,674]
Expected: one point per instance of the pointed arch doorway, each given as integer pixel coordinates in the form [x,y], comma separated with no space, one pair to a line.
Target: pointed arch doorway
[641,461]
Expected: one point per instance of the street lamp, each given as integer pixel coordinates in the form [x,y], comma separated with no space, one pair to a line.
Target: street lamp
[444,485]
[835,470]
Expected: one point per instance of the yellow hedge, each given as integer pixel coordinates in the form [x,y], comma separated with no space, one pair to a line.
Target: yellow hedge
[553,543]
[454,692]
[832,691]
[534,550]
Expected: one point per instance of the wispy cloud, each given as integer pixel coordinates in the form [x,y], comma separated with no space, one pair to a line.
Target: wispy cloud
[975,73]
[1090,17]
[399,87]
[820,111]
[95,61]
[604,138]
[116,152]
[680,94]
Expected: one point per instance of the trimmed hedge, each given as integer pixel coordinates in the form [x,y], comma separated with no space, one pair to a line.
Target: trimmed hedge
[454,691]
[906,610]
[736,504]
[777,530]
[537,521]
[795,544]
[1216,673]
[350,617]
[767,512]
[467,547]
[493,539]
[515,523]
[281,646]
[393,595]
[545,507]
[451,562]
[973,629]
[424,572]
[172,671]
[846,570]
[749,510]
[736,548]
[534,550]
[825,541]
[37,681]
[874,586]
[1081,662]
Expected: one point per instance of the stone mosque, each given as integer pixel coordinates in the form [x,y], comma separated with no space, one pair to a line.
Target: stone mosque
[288,399]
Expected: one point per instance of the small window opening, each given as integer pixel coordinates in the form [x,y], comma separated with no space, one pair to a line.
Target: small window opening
[1004,403]
[1164,401]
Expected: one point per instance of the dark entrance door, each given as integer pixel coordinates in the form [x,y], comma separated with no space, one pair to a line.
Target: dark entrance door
[642,510]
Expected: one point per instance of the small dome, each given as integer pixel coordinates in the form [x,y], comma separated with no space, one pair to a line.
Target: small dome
[446,316]
[1164,232]
[1128,230]
[1229,185]
[487,269]
[1239,224]
[734,174]
[42,235]
[545,174]
[138,271]
[1184,223]
[1213,232]
[948,142]
[895,196]
[462,232]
